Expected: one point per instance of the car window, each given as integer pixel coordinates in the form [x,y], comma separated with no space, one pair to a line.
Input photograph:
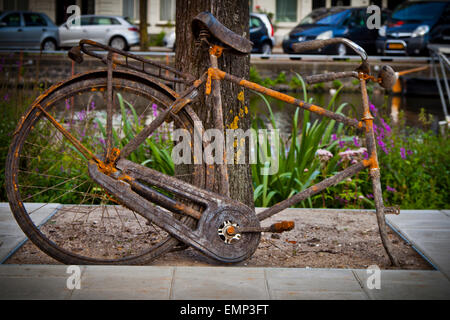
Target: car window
[34,20]
[104,21]
[255,22]
[418,11]
[326,18]
[85,21]
[12,20]
[356,19]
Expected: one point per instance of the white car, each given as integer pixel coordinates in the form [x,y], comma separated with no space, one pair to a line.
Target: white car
[114,31]
[265,19]
[169,40]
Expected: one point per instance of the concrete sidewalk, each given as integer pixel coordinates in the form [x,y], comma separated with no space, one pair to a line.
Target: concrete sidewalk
[214,283]
[426,230]
[11,236]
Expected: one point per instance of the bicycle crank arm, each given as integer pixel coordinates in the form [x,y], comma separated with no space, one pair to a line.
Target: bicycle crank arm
[207,236]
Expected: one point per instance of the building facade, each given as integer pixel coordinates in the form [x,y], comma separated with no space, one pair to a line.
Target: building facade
[285,14]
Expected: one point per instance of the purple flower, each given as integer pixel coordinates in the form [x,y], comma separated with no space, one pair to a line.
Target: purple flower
[382,145]
[403,153]
[373,109]
[334,137]
[341,143]
[355,142]
[102,141]
[81,115]
[6,97]
[370,196]
[409,152]
[390,189]
[366,155]
[67,104]
[92,105]
[385,125]
[155,110]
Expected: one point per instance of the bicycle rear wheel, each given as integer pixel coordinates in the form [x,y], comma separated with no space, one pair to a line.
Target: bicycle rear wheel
[90,226]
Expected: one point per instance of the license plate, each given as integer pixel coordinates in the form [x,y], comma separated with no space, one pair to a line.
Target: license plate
[396,46]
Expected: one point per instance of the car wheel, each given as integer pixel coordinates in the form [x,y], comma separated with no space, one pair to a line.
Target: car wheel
[119,43]
[266,50]
[48,45]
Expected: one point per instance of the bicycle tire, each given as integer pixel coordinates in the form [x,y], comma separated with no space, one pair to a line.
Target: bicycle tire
[73,88]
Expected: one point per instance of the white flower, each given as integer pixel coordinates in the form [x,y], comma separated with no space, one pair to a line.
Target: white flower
[324,155]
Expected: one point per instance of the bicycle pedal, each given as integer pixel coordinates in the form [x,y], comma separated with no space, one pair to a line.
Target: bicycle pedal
[281,226]
[392,210]
[277,227]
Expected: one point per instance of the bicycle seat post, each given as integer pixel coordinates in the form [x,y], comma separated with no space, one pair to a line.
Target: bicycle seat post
[215,51]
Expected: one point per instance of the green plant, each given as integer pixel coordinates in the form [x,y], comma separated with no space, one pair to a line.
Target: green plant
[157,40]
[298,165]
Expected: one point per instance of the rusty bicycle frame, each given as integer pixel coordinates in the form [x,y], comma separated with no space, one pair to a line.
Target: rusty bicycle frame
[122,178]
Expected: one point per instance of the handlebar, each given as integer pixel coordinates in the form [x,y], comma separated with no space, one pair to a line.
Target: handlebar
[318,44]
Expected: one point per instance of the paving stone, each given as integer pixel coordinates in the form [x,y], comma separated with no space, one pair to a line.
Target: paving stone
[219,283]
[34,288]
[316,295]
[313,284]
[124,282]
[11,234]
[33,282]
[429,234]
[407,285]
[30,270]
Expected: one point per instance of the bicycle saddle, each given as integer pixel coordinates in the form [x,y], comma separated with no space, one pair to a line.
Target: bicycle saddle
[219,34]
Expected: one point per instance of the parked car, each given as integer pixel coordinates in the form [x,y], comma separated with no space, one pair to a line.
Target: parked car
[261,34]
[27,30]
[326,23]
[413,25]
[114,31]
[169,40]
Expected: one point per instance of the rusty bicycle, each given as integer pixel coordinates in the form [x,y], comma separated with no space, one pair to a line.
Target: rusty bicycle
[80,144]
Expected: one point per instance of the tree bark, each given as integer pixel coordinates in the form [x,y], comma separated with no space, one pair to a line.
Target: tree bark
[234,14]
[143,31]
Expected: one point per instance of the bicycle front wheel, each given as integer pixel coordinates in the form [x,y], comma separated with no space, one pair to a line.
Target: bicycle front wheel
[43,167]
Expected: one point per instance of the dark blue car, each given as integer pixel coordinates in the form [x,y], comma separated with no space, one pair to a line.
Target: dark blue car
[326,23]
[413,25]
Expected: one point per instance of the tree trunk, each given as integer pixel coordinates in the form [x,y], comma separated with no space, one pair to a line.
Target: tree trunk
[195,60]
[143,24]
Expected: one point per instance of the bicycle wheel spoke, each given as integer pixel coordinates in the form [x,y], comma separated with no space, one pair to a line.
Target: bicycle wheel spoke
[89,223]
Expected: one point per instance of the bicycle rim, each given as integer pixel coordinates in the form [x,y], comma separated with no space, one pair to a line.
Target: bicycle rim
[89,226]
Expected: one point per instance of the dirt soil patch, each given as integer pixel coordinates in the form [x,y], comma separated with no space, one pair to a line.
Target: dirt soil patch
[321,239]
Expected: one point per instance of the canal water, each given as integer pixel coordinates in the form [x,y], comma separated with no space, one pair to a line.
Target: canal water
[401,110]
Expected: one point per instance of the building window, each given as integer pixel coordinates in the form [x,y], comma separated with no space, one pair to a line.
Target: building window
[88,7]
[286,10]
[338,3]
[319,4]
[128,9]
[167,10]
[15,5]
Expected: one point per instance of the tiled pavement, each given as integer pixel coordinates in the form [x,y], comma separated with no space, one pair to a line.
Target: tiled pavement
[230,283]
